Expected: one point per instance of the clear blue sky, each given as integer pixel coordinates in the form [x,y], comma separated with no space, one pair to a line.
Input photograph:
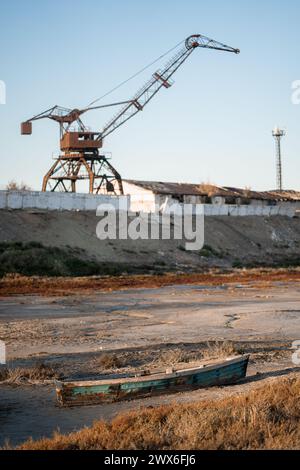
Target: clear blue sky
[213,125]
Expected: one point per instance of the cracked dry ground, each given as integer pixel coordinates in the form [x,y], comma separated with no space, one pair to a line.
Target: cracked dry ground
[140,327]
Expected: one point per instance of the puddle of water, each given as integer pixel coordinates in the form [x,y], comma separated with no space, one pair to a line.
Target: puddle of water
[32,412]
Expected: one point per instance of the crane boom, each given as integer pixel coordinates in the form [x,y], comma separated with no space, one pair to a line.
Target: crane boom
[161,79]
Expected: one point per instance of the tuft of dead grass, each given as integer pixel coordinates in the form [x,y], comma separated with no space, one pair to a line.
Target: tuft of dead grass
[29,375]
[172,357]
[266,418]
[212,350]
[220,349]
[110,361]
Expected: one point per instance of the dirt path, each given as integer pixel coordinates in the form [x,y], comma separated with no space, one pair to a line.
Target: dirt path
[44,326]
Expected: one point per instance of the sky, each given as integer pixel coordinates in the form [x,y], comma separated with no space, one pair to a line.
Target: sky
[213,126]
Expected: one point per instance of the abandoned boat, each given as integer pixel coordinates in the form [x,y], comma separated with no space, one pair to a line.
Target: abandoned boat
[144,384]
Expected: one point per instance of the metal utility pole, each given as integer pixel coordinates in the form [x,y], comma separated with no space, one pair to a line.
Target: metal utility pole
[278,134]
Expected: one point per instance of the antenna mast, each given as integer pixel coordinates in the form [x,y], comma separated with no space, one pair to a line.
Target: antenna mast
[278,134]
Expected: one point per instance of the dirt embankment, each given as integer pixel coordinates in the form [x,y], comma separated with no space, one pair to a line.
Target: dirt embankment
[229,241]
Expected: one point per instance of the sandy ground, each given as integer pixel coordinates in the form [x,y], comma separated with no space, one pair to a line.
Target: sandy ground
[141,326]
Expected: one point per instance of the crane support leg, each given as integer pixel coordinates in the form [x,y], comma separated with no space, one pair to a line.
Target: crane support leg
[69,169]
[48,175]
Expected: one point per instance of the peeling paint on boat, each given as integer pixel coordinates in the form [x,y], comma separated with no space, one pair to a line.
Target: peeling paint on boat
[226,372]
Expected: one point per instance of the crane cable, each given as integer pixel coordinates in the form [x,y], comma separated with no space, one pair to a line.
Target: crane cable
[135,75]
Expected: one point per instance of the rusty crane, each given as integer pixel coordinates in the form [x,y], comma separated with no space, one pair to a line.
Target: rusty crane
[80,157]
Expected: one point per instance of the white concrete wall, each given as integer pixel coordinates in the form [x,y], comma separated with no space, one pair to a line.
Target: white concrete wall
[57,201]
[139,202]
[237,211]
[246,211]
[142,202]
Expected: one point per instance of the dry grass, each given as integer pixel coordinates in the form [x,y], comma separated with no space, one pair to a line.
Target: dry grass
[208,188]
[213,350]
[219,349]
[16,284]
[172,357]
[40,373]
[267,418]
[109,361]
[167,357]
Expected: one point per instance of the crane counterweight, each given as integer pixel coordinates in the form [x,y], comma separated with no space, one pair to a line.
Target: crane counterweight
[26,128]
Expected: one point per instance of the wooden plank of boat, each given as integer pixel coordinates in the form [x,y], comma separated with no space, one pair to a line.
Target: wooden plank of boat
[198,375]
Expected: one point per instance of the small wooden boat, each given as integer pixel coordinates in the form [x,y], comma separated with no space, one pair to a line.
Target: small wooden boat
[177,379]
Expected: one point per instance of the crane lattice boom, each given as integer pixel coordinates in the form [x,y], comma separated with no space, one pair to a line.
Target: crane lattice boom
[161,79]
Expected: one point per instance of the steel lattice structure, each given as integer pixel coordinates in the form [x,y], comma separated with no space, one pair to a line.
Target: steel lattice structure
[278,134]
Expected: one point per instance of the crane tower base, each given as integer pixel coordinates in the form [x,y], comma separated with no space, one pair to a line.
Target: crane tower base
[69,169]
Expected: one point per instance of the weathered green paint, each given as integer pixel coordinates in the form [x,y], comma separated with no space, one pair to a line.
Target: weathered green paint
[97,391]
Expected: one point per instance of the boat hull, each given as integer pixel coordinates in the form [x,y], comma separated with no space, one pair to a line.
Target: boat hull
[107,391]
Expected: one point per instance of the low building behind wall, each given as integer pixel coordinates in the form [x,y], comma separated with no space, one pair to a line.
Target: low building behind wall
[159,196]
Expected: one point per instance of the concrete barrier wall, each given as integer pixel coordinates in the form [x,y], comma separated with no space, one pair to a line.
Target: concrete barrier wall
[242,211]
[56,201]
[142,202]
[90,202]
[246,211]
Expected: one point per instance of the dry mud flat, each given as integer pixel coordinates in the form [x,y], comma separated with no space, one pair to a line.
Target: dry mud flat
[98,332]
